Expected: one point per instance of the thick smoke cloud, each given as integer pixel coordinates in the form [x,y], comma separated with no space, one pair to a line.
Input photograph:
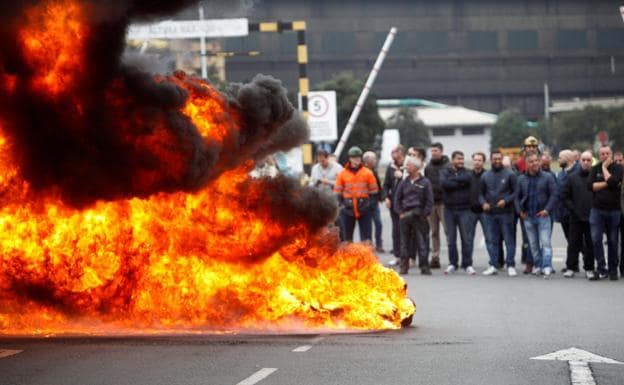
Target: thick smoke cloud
[118,132]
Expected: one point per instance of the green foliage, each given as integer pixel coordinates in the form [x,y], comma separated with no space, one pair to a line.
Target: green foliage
[369,123]
[578,128]
[510,130]
[412,132]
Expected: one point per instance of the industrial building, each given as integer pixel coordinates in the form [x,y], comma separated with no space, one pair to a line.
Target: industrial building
[481,54]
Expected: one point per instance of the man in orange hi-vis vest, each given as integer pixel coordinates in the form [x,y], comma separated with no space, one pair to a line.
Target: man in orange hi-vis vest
[354,186]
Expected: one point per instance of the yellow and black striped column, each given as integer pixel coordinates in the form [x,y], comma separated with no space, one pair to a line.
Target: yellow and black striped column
[298,26]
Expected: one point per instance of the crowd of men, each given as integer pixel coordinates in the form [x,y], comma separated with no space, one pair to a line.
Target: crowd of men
[586,198]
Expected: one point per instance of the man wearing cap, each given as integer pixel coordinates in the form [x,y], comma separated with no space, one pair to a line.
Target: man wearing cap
[354,187]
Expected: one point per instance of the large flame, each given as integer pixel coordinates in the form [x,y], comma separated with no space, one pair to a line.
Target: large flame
[213,260]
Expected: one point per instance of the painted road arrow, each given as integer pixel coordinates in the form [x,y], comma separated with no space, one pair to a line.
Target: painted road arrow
[579,360]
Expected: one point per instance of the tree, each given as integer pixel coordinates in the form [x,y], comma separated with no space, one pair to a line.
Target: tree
[412,132]
[578,128]
[369,123]
[510,130]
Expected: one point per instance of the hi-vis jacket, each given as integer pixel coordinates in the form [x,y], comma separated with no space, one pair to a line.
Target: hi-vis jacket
[355,187]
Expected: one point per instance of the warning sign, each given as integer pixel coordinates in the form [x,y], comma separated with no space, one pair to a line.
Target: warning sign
[322,117]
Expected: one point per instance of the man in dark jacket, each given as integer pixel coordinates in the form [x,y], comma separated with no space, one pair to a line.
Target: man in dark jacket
[394,176]
[413,201]
[438,162]
[536,197]
[605,182]
[476,211]
[455,181]
[577,198]
[498,187]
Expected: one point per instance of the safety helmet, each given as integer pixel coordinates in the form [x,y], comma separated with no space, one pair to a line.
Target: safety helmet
[355,151]
[531,141]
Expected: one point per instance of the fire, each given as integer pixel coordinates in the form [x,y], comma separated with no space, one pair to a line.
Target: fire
[53,39]
[231,256]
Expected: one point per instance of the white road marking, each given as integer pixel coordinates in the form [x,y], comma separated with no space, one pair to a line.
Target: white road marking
[578,361]
[305,348]
[581,374]
[8,352]
[257,376]
[302,349]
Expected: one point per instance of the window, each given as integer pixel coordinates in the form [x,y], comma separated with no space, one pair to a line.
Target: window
[473,131]
[429,42]
[611,38]
[481,41]
[571,39]
[338,42]
[242,44]
[521,40]
[443,131]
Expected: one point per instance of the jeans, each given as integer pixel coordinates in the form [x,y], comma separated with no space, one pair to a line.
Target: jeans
[414,237]
[377,225]
[525,255]
[365,224]
[462,219]
[602,221]
[497,226]
[580,241]
[539,232]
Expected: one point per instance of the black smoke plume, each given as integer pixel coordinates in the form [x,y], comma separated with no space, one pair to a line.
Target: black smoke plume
[118,132]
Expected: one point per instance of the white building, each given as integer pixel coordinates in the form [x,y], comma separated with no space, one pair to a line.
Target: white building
[456,127]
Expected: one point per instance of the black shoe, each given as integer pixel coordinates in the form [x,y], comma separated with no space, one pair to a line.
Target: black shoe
[613,277]
[602,275]
[435,263]
[380,249]
[425,271]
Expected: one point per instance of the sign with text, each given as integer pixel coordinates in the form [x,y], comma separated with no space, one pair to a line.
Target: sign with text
[189,29]
[322,116]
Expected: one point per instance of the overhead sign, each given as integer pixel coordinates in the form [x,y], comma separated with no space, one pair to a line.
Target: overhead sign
[322,116]
[189,29]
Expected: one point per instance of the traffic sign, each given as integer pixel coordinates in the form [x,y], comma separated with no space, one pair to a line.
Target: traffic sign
[322,116]
[189,29]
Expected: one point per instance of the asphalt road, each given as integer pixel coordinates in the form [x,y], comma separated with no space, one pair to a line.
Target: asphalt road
[467,330]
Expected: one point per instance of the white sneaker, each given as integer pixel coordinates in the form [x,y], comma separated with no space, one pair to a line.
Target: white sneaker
[470,270]
[536,271]
[449,270]
[547,272]
[394,262]
[569,273]
[490,271]
[511,271]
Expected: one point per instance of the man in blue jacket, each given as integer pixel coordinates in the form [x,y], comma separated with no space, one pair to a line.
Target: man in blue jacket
[455,181]
[498,188]
[535,200]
